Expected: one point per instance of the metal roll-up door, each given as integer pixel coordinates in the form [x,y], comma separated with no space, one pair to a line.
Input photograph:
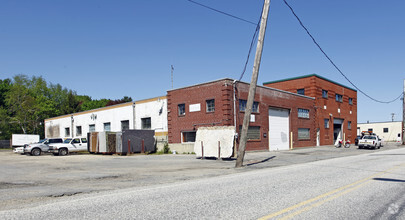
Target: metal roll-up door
[279,129]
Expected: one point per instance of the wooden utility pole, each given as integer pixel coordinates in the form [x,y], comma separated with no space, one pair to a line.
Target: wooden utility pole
[403,116]
[253,83]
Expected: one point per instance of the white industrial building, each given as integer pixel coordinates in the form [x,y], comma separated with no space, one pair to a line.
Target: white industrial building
[388,131]
[143,114]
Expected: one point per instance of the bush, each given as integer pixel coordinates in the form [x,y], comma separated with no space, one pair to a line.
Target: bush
[166,148]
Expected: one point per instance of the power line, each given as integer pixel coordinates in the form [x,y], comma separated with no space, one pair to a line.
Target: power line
[330,60]
[219,11]
[251,46]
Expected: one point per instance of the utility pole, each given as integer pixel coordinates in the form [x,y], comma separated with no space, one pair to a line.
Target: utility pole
[403,116]
[253,83]
[392,116]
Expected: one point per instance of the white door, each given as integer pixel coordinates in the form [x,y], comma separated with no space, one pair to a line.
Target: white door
[279,129]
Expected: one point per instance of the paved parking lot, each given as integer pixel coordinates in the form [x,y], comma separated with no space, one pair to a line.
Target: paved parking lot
[26,179]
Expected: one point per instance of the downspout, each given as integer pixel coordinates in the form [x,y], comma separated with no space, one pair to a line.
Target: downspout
[71,130]
[234,104]
[133,114]
[234,117]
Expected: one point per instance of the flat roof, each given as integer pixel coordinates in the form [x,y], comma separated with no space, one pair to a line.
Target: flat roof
[107,107]
[307,76]
[229,79]
[391,122]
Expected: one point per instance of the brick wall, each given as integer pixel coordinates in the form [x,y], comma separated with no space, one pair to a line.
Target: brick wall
[222,92]
[313,87]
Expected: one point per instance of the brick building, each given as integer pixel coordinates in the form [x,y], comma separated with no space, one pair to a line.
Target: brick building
[276,115]
[335,106]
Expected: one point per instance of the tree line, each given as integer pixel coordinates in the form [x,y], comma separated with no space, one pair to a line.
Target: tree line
[25,102]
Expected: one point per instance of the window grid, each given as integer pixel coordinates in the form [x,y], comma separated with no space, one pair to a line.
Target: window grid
[210,105]
[303,113]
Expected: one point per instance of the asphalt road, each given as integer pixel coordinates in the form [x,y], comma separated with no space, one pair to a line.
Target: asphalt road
[369,185]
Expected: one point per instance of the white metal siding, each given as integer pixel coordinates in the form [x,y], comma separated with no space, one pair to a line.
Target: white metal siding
[279,129]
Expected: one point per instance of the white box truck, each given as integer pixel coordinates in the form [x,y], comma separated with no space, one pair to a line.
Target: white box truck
[19,140]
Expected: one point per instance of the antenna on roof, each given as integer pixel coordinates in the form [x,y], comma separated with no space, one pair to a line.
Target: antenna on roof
[172,74]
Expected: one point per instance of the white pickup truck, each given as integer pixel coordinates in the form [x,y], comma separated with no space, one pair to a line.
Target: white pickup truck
[370,141]
[69,145]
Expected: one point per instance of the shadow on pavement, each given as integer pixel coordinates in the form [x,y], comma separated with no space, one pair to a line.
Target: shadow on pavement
[389,180]
[262,161]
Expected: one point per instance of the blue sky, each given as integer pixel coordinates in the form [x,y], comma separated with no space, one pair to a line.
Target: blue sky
[111,49]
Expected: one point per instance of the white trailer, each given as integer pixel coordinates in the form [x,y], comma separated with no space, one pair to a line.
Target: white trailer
[18,140]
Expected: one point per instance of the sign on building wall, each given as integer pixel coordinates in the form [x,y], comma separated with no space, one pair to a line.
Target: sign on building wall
[195,107]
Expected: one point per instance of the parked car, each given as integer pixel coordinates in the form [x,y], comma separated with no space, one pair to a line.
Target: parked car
[370,141]
[42,146]
[18,150]
[356,140]
[69,145]
[381,141]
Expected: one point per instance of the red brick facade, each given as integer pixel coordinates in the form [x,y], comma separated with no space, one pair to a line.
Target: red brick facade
[326,107]
[222,91]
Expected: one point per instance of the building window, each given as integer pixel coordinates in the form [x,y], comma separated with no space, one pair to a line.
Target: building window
[350,101]
[125,125]
[92,128]
[326,122]
[385,130]
[181,109]
[324,94]
[255,107]
[107,126]
[67,132]
[188,136]
[339,98]
[303,113]
[210,105]
[146,123]
[301,91]
[349,125]
[242,106]
[253,132]
[78,130]
[303,134]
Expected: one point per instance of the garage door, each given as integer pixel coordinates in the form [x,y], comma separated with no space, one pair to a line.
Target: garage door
[279,129]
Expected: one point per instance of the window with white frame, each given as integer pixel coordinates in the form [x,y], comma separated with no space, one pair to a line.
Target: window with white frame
[303,113]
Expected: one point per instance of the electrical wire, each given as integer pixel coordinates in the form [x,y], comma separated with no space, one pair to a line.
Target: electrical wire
[330,60]
[219,11]
[251,46]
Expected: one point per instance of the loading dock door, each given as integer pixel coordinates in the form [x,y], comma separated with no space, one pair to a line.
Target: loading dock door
[279,129]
